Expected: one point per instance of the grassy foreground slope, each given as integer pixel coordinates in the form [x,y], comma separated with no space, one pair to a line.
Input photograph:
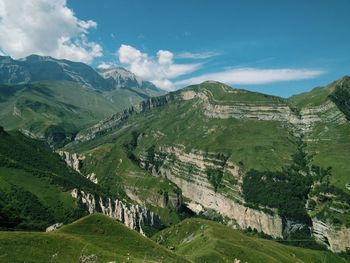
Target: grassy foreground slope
[205,241]
[95,236]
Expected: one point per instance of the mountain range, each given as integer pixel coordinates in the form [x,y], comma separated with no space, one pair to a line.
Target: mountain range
[71,95]
[209,172]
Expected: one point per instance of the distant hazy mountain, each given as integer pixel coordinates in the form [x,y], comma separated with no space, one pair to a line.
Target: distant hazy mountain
[38,68]
[54,99]
[126,79]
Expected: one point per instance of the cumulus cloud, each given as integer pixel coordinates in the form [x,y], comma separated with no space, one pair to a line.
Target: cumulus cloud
[253,76]
[45,27]
[160,70]
[190,55]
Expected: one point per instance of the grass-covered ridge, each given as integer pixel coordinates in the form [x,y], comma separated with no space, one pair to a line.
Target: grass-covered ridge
[204,241]
[219,93]
[95,236]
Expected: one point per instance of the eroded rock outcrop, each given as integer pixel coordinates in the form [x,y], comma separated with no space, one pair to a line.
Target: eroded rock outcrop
[133,216]
[337,240]
[75,161]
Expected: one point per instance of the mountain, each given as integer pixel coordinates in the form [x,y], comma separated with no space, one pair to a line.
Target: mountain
[53,99]
[38,68]
[42,68]
[275,165]
[127,79]
[201,240]
[95,238]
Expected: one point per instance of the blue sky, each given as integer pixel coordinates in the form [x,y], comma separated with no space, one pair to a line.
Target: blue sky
[275,47]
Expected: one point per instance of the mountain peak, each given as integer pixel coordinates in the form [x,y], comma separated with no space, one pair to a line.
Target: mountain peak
[125,78]
[35,58]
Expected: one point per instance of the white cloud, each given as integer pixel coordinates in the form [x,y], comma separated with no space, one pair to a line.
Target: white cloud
[190,55]
[160,70]
[45,27]
[105,65]
[245,76]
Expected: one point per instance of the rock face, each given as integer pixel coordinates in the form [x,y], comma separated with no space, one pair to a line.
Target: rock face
[337,240]
[303,121]
[188,172]
[133,216]
[75,161]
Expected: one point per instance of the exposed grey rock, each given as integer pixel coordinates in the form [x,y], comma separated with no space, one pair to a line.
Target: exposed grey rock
[53,227]
[126,79]
[336,239]
[133,216]
[292,226]
[73,160]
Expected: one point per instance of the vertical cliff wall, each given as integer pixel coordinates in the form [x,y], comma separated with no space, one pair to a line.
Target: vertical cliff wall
[133,216]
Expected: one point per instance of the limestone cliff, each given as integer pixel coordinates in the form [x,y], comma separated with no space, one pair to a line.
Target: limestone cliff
[303,120]
[133,216]
[336,239]
[75,161]
[188,171]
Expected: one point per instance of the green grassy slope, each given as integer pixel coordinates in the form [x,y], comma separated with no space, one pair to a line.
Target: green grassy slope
[266,146]
[96,235]
[328,143]
[319,95]
[220,93]
[35,184]
[205,241]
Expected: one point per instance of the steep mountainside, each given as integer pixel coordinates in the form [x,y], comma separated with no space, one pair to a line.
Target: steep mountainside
[206,241]
[229,150]
[94,238]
